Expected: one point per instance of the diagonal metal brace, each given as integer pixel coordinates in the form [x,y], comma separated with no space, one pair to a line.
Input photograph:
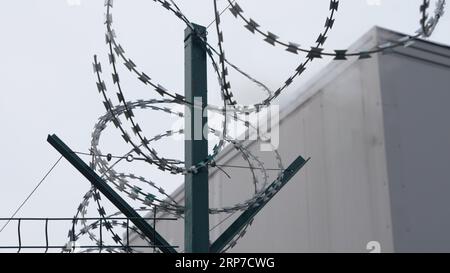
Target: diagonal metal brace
[109,193]
[252,211]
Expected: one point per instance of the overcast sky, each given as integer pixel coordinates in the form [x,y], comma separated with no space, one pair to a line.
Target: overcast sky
[47,84]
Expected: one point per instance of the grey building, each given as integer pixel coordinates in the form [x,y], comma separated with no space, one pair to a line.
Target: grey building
[378,134]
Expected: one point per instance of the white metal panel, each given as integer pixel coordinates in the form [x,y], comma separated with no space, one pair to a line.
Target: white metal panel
[416,97]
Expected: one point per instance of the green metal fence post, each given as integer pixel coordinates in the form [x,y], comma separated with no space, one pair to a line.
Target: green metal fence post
[196,143]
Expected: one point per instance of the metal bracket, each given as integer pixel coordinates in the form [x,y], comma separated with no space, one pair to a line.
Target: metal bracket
[109,193]
[252,211]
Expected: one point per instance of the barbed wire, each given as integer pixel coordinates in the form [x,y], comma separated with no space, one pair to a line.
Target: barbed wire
[317,51]
[121,184]
[126,183]
[428,25]
[111,41]
[252,26]
[102,165]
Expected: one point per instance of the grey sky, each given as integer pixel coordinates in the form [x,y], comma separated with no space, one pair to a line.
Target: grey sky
[47,84]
